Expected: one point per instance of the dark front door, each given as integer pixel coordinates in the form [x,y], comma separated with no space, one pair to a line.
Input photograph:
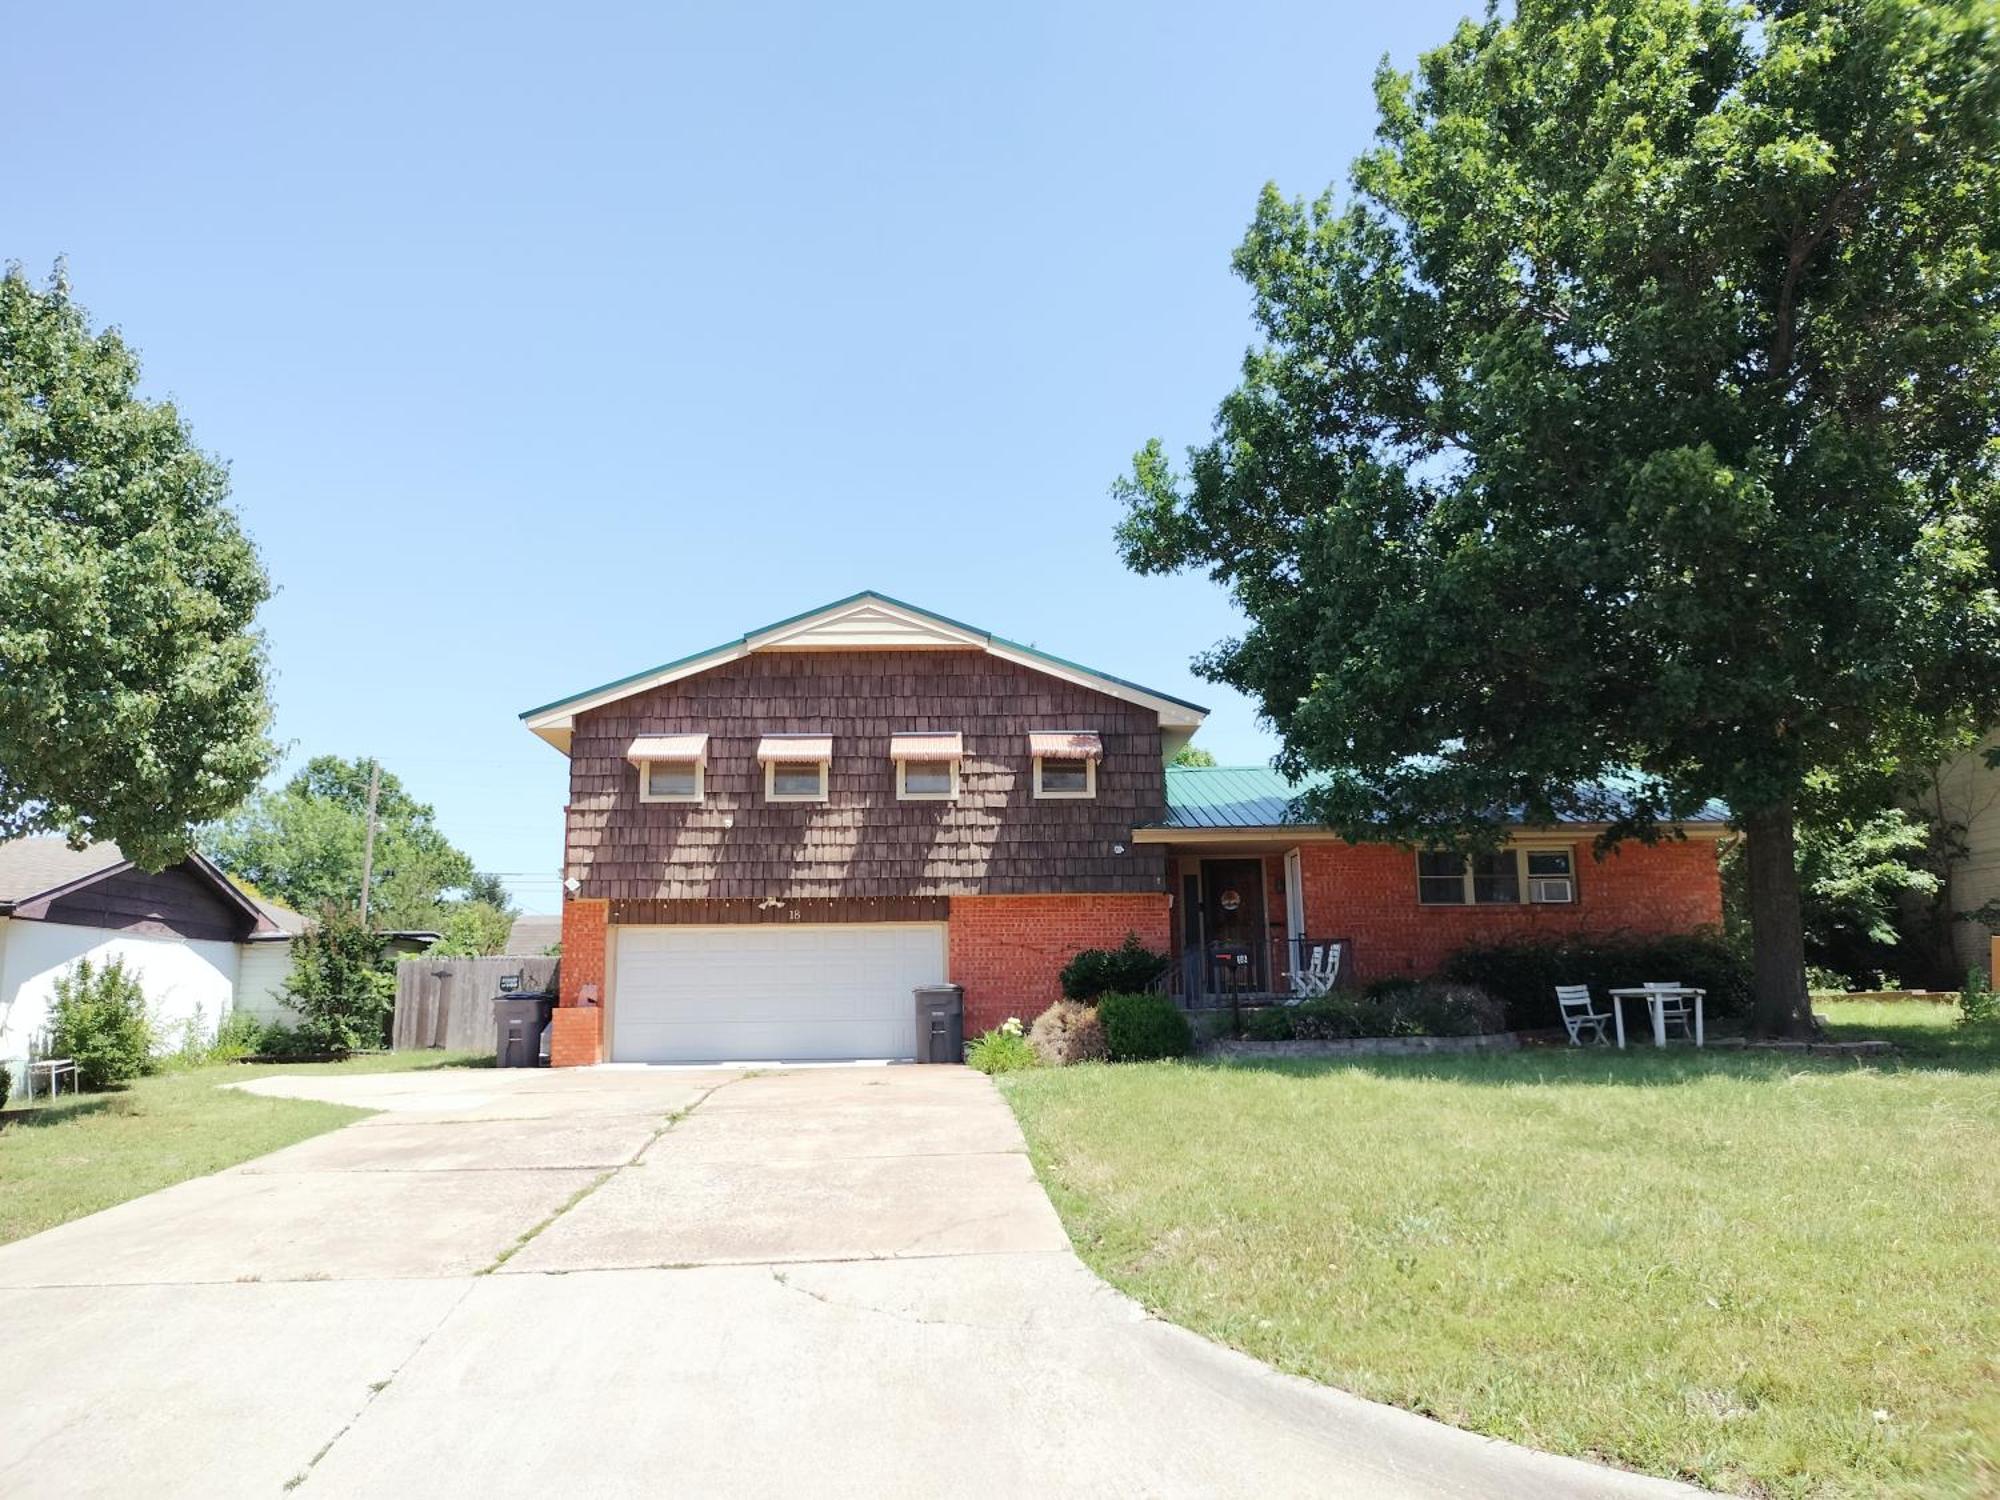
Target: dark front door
[1232,911]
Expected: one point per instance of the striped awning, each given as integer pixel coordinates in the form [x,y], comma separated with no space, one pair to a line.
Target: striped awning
[1066,744]
[789,747]
[927,746]
[667,747]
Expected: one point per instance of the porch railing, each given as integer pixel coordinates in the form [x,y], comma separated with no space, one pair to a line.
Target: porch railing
[1231,973]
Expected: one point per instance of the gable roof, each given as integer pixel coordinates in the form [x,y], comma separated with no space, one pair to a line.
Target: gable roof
[863,621]
[1258,797]
[41,868]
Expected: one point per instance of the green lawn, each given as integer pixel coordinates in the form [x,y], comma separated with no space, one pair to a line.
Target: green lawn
[62,1159]
[1761,1272]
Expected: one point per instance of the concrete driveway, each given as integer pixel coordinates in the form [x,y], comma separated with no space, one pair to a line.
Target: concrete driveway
[612,1282]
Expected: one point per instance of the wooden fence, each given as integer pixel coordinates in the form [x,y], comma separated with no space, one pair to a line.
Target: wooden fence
[448,1002]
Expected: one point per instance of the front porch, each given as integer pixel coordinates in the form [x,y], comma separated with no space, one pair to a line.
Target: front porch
[1240,933]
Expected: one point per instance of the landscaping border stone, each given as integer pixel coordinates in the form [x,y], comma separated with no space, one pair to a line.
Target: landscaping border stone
[1367,1046]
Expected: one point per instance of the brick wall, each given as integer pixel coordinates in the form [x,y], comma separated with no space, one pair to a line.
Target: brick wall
[1008,950]
[575,1036]
[583,927]
[1368,892]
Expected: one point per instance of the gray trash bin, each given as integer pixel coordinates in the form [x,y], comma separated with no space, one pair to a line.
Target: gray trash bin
[519,1021]
[940,1023]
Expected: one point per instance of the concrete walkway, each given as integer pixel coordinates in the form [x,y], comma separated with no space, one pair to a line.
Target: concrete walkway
[615,1282]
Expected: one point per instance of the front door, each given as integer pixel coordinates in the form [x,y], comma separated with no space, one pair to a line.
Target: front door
[1233,922]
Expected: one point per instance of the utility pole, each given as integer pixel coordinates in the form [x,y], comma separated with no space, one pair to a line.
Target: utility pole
[368,839]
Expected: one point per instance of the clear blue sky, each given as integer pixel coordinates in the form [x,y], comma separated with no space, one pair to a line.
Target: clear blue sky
[548,343]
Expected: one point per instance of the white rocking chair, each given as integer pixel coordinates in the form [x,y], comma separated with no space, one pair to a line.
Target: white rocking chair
[1580,1014]
[1321,972]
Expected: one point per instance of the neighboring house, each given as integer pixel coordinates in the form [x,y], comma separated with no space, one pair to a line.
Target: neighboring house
[1964,801]
[199,946]
[769,844]
[531,937]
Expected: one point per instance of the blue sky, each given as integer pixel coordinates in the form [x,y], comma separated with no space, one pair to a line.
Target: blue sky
[548,343]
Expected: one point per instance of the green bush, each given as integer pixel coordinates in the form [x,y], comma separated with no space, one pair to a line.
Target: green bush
[1404,1007]
[240,1035]
[6,1083]
[1978,1004]
[1002,1050]
[1523,975]
[342,984]
[287,1043]
[1138,1028]
[98,1021]
[1127,969]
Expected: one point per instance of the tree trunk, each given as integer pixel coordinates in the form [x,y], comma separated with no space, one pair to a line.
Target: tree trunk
[1781,1007]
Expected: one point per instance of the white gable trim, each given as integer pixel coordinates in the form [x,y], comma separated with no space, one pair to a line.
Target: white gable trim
[866,623]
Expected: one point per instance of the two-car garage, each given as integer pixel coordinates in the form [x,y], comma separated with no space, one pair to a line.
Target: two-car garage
[770,991]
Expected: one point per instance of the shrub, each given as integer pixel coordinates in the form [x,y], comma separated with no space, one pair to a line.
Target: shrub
[1404,1007]
[1001,1050]
[1138,1028]
[1977,1002]
[287,1043]
[240,1035]
[98,1020]
[1129,968]
[6,1084]
[1523,975]
[341,985]
[1068,1033]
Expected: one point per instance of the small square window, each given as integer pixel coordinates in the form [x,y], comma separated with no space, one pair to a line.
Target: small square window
[670,781]
[1441,879]
[1057,777]
[926,779]
[796,781]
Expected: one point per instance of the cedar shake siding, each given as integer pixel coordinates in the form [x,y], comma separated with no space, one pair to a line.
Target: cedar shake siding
[996,839]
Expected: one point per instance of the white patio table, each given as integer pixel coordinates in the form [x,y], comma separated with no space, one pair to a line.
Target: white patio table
[1656,998]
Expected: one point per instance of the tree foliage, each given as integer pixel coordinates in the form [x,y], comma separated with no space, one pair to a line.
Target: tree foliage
[133,700]
[1627,438]
[303,844]
[1193,756]
[342,983]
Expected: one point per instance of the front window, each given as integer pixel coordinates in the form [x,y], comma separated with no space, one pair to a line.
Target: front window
[670,781]
[796,781]
[1506,877]
[1064,778]
[936,779]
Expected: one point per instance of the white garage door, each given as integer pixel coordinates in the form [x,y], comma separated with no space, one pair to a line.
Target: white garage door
[769,993]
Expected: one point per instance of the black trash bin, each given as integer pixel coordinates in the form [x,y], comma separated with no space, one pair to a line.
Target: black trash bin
[940,1023]
[519,1021]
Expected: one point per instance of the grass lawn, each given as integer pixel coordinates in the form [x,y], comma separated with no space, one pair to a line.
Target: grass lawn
[62,1159]
[1765,1273]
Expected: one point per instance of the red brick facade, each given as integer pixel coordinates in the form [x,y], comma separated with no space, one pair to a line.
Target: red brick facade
[1008,950]
[1368,893]
[576,1036]
[583,944]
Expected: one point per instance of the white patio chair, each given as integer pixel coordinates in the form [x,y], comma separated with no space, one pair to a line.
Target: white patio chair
[1580,1014]
[1676,1005]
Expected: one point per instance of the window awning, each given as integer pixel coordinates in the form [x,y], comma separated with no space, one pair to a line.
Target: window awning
[667,747]
[790,747]
[1066,744]
[927,746]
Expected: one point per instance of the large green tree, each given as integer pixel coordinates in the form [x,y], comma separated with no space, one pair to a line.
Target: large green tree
[133,700]
[1626,438]
[304,844]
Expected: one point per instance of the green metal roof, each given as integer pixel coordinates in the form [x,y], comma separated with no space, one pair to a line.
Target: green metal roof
[929,614]
[1258,797]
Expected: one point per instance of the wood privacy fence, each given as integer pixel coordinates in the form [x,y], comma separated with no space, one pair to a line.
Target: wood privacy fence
[448,1002]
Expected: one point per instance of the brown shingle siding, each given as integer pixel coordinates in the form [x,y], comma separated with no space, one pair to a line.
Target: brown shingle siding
[996,839]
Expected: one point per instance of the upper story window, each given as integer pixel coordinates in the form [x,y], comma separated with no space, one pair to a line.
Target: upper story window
[927,766]
[672,767]
[796,766]
[1065,762]
[1506,877]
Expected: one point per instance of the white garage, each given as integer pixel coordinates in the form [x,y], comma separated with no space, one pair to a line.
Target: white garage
[765,992]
